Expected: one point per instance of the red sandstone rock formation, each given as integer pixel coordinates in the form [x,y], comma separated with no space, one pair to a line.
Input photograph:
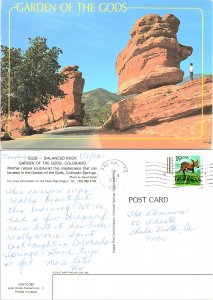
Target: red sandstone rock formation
[71,105]
[174,106]
[59,112]
[152,57]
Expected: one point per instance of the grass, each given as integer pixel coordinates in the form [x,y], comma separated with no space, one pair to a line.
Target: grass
[191,180]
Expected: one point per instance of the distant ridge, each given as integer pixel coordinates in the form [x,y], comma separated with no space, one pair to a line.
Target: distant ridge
[101,95]
[98,105]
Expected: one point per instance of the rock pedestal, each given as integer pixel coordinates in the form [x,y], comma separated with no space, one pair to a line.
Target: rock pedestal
[71,105]
[152,56]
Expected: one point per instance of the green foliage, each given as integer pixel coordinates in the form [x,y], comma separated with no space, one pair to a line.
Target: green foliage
[98,105]
[27,130]
[191,179]
[33,77]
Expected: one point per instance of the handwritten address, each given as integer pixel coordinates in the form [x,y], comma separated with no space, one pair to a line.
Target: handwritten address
[158,226]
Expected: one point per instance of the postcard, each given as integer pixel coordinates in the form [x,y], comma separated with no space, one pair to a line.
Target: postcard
[107,225]
[106,75]
[106,150]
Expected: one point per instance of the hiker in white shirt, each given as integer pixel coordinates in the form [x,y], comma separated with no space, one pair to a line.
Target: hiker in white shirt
[191,71]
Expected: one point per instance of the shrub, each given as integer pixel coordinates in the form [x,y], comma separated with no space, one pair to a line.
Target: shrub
[27,130]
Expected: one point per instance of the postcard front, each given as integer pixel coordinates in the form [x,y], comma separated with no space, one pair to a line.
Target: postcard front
[107,75]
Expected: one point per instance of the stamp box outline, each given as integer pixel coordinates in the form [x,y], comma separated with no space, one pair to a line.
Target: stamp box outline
[116,138]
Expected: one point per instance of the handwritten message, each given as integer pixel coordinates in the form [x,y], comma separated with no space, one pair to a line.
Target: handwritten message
[62,228]
[158,226]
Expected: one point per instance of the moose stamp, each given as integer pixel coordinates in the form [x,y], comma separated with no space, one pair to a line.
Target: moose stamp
[188,170]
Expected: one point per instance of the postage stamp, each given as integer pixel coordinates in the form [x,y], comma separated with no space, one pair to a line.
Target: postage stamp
[188,170]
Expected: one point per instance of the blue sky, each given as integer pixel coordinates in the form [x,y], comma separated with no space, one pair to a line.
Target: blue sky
[94,40]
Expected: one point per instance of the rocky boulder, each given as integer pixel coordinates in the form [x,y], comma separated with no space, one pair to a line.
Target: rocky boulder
[163,105]
[152,56]
[72,106]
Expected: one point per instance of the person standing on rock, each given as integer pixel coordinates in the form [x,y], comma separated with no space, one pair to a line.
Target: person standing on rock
[191,71]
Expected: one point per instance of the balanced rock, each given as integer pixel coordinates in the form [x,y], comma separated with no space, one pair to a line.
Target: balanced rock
[152,56]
